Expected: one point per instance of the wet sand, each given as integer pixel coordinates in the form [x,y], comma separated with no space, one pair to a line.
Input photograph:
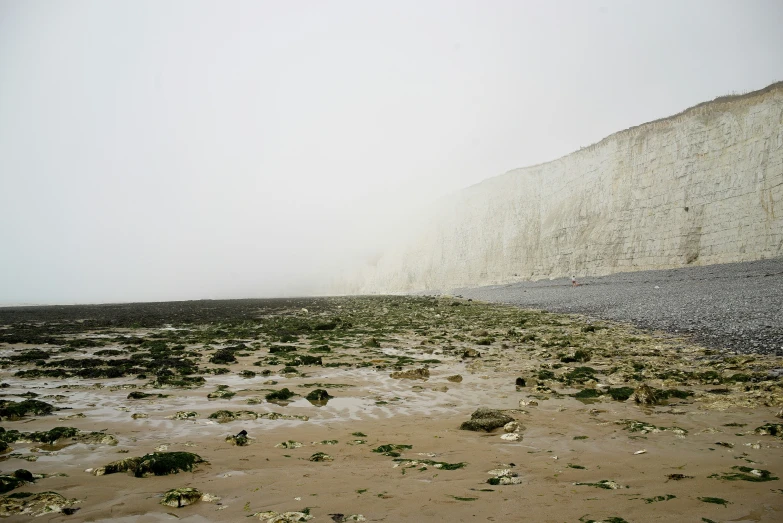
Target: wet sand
[564,441]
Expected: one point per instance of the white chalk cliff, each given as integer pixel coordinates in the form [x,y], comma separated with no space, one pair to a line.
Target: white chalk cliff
[704,186]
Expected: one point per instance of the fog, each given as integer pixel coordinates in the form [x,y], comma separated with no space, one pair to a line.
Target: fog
[184,150]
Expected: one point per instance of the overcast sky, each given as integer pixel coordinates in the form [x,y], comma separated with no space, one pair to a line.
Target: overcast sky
[154,150]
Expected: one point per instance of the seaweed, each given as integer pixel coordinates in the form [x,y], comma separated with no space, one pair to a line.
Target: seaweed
[604,484]
[716,501]
[773,429]
[441,465]
[318,395]
[391,449]
[223,357]
[11,410]
[655,499]
[746,474]
[157,464]
[321,456]
[279,395]
[487,420]
[620,393]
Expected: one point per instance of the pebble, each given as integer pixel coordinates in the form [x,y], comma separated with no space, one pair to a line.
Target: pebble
[747,320]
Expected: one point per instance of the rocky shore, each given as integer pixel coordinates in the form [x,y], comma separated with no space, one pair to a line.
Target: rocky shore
[737,306]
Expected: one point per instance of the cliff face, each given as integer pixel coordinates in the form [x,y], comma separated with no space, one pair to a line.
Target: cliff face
[702,187]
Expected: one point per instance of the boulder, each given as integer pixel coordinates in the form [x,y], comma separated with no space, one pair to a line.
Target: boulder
[487,420]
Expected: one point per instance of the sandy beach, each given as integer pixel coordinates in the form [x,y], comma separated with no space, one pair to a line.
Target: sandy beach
[589,443]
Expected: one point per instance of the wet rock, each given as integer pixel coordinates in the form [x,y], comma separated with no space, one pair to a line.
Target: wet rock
[11,410]
[645,395]
[284,517]
[223,416]
[513,426]
[503,477]
[412,374]
[321,456]
[223,357]
[19,478]
[222,392]
[457,378]
[138,395]
[139,415]
[28,504]
[471,353]
[773,429]
[279,395]
[342,518]
[484,419]
[181,497]
[277,415]
[604,484]
[157,464]
[97,438]
[371,343]
[290,444]
[186,414]
[391,449]
[239,440]
[318,395]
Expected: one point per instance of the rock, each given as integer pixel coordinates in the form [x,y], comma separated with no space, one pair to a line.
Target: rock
[412,374]
[157,463]
[290,444]
[320,456]
[342,518]
[371,343]
[221,393]
[186,415]
[240,440]
[521,382]
[139,415]
[645,395]
[503,477]
[318,395]
[209,498]
[779,414]
[457,378]
[486,419]
[280,395]
[513,436]
[471,353]
[512,426]
[181,497]
[26,503]
[285,517]
[528,403]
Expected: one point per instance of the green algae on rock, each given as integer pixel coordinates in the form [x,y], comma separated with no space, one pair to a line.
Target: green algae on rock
[12,411]
[746,474]
[391,449]
[280,395]
[318,395]
[155,464]
[487,420]
[29,504]
[181,497]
